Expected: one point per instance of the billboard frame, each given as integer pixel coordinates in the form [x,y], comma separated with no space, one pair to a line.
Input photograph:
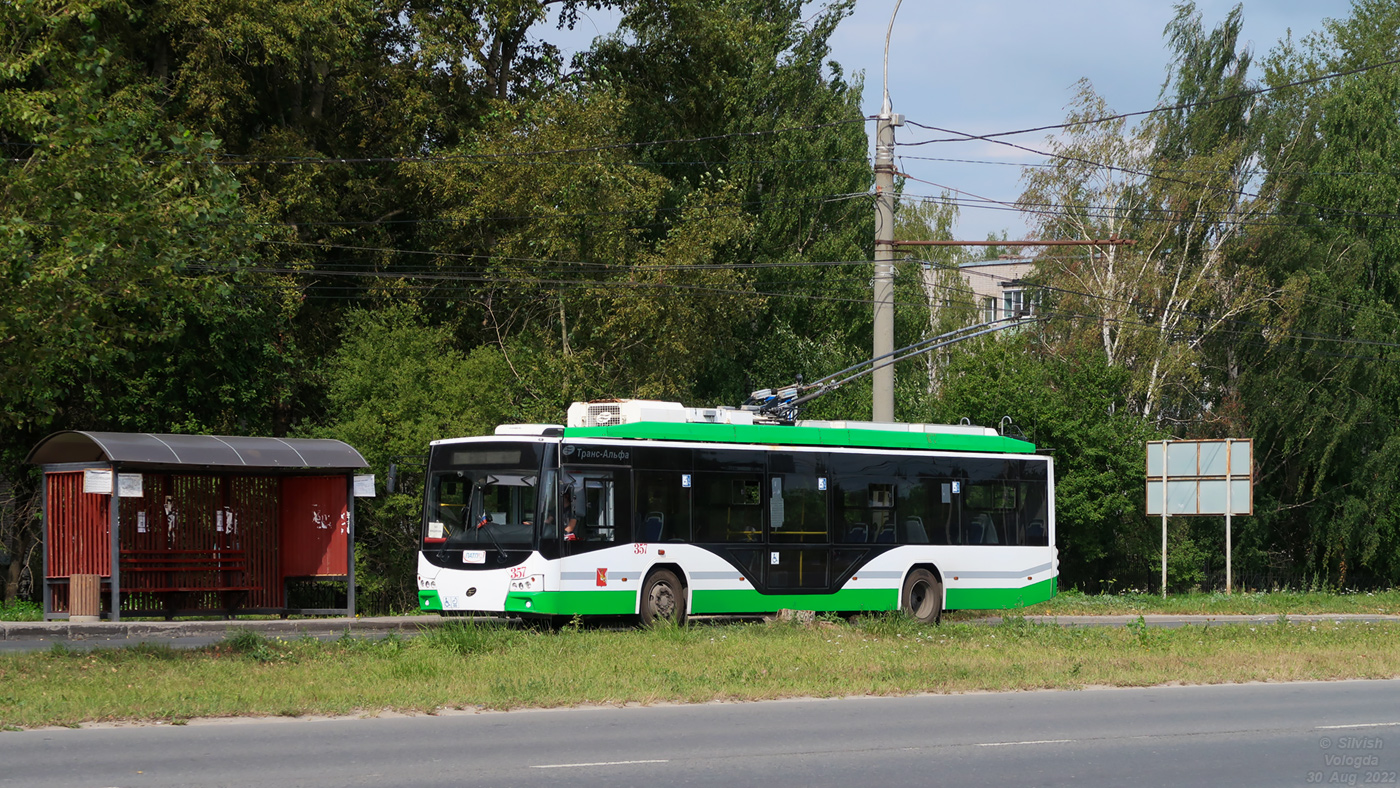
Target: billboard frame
[1201,470]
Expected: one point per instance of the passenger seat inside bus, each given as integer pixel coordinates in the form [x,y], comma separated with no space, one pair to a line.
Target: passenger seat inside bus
[651,528]
[988,530]
[1035,532]
[977,528]
[914,532]
[856,533]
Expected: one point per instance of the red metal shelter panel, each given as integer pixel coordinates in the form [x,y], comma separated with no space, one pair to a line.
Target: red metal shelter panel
[79,539]
[254,512]
[213,514]
[315,526]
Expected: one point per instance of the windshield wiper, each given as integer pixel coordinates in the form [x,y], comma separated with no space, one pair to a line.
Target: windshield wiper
[485,521]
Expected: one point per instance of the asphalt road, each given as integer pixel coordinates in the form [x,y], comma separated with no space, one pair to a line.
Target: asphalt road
[1344,732]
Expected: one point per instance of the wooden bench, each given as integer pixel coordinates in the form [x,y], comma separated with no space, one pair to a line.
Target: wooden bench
[178,575]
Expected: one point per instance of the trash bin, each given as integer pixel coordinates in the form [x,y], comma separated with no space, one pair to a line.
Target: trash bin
[85,598]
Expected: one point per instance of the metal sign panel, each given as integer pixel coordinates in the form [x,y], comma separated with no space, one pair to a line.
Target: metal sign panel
[1199,496]
[1201,477]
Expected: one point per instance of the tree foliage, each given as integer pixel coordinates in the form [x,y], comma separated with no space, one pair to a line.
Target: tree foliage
[1324,368]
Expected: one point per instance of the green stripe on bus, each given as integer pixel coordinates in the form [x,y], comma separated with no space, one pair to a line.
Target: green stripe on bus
[568,603]
[750,601]
[429,600]
[1000,598]
[780,435]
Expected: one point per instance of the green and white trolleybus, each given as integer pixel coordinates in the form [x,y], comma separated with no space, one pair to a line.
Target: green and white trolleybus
[657,510]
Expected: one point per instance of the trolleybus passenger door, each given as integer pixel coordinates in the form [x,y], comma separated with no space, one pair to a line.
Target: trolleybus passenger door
[798,524]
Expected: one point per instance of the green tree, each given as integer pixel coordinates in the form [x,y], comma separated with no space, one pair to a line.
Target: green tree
[743,92]
[111,219]
[544,246]
[394,385]
[1074,405]
[1176,185]
[1319,378]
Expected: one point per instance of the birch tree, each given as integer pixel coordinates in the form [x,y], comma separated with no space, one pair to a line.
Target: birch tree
[1177,185]
[947,300]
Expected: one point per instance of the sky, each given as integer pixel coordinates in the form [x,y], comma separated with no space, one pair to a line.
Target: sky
[997,65]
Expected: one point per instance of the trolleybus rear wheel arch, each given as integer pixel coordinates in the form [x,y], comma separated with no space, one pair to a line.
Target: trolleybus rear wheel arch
[922,596]
[663,598]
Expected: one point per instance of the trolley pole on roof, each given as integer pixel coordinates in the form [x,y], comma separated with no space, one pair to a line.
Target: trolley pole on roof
[882,379]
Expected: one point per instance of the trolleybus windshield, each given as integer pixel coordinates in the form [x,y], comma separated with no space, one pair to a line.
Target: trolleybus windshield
[482,495]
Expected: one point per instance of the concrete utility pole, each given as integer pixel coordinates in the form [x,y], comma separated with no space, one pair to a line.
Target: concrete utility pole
[882,379]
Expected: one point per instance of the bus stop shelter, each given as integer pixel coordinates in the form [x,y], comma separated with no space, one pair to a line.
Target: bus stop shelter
[192,524]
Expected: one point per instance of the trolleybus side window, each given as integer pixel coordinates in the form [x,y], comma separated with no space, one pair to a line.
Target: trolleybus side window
[549,523]
[662,511]
[913,508]
[863,497]
[596,501]
[1035,510]
[728,507]
[1002,506]
[1035,513]
[947,523]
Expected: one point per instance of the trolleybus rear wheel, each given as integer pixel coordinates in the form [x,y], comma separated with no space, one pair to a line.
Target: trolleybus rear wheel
[922,597]
[663,598]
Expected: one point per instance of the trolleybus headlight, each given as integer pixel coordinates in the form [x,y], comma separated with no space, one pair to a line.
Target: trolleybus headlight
[531,583]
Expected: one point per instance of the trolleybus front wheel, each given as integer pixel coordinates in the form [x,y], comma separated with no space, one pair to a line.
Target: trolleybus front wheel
[663,598]
[922,597]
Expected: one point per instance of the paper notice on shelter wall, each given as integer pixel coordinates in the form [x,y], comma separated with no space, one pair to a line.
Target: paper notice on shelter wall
[129,485]
[141,523]
[97,481]
[364,485]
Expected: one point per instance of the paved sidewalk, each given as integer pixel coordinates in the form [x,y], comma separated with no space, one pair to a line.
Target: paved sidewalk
[66,631]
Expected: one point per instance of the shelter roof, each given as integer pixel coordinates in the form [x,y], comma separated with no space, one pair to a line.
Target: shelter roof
[207,451]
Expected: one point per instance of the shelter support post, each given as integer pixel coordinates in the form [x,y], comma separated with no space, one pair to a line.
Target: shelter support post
[350,546]
[116,548]
[45,545]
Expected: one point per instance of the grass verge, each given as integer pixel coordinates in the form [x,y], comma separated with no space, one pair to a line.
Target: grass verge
[498,667]
[21,610]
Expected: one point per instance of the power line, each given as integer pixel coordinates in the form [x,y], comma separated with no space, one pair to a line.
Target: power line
[514,156]
[1234,192]
[1191,170]
[498,279]
[1188,105]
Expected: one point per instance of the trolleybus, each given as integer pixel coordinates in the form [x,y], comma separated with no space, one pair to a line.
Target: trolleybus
[660,511]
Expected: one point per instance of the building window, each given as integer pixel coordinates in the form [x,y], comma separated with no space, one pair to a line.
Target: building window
[1016,302]
[989,309]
